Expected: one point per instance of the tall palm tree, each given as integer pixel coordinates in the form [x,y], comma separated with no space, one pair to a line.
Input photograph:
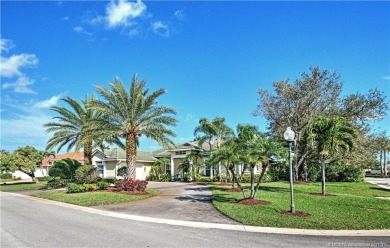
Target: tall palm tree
[131,114]
[212,131]
[74,127]
[330,136]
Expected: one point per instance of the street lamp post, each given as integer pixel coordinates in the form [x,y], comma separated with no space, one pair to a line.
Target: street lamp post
[289,136]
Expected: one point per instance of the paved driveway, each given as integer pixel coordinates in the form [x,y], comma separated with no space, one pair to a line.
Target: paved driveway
[177,201]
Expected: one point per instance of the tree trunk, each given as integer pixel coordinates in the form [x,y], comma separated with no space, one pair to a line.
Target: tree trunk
[264,168]
[88,153]
[323,176]
[252,166]
[238,183]
[131,155]
[385,163]
[380,162]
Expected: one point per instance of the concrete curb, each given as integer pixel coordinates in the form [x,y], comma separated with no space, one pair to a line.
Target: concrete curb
[242,228]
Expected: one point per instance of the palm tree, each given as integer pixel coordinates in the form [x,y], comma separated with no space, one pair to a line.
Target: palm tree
[131,114]
[211,131]
[75,127]
[330,136]
[158,165]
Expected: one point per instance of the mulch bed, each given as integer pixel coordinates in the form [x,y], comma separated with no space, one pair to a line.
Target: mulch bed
[298,214]
[320,194]
[233,190]
[250,201]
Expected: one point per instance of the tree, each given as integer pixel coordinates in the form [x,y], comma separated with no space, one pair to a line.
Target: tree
[75,127]
[64,168]
[212,131]
[296,104]
[158,164]
[330,136]
[24,159]
[316,93]
[131,114]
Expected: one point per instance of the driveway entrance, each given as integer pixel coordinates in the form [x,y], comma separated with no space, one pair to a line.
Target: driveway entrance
[177,201]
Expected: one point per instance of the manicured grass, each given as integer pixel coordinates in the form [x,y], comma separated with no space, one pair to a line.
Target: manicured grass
[93,198]
[22,186]
[353,207]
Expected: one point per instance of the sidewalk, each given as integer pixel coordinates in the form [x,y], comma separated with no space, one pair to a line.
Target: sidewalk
[381,182]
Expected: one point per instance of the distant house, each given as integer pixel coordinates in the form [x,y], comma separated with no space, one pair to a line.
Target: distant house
[108,161]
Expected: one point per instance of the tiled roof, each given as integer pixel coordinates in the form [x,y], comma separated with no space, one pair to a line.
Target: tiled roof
[121,154]
[79,156]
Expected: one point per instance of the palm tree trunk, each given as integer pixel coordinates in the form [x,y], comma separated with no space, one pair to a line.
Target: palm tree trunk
[252,166]
[131,154]
[238,183]
[265,165]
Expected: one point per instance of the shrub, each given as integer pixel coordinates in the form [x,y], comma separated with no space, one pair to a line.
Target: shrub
[86,174]
[351,175]
[80,188]
[166,177]
[109,180]
[122,172]
[64,168]
[44,179]
[151,178]
[75,188]
[102,185]
[131,185]
[55,183]
[6,176]
[204,179]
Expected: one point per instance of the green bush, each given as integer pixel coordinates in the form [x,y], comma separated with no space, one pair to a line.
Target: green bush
[122,172]
[278,172]
[44,179]
[166,177]
[109,180]
[64,168]
[6,176]
[75,188]
[80,188]
[56,183]
[351,175]
[204,179]
[102,185]
[151,178]
[86,174]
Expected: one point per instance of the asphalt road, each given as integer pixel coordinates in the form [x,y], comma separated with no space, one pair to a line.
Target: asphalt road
[26,222]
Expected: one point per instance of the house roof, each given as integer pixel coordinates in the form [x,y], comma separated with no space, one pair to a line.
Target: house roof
[118,153]
[79,156]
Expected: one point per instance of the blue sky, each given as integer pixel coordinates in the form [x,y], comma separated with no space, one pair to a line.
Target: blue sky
[212,57]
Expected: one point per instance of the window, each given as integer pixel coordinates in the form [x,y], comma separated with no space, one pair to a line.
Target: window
[100,168]
[180,153]
[168,168]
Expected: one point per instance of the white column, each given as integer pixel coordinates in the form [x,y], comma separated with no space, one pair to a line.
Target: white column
[172,168]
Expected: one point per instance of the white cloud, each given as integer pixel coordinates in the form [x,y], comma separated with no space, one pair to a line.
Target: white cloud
[66,18]
[386,78]
[189,117]
[123,12]
[47,103]
[6,45]
[79,29]
[21,85]
[25,129]
[160,28]
[179,14]
[10,66]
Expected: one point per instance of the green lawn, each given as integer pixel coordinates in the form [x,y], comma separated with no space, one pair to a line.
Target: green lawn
[354,206]
[93,198]
[21,186]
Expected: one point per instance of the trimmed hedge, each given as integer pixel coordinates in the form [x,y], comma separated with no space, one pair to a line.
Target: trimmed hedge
[6,176]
